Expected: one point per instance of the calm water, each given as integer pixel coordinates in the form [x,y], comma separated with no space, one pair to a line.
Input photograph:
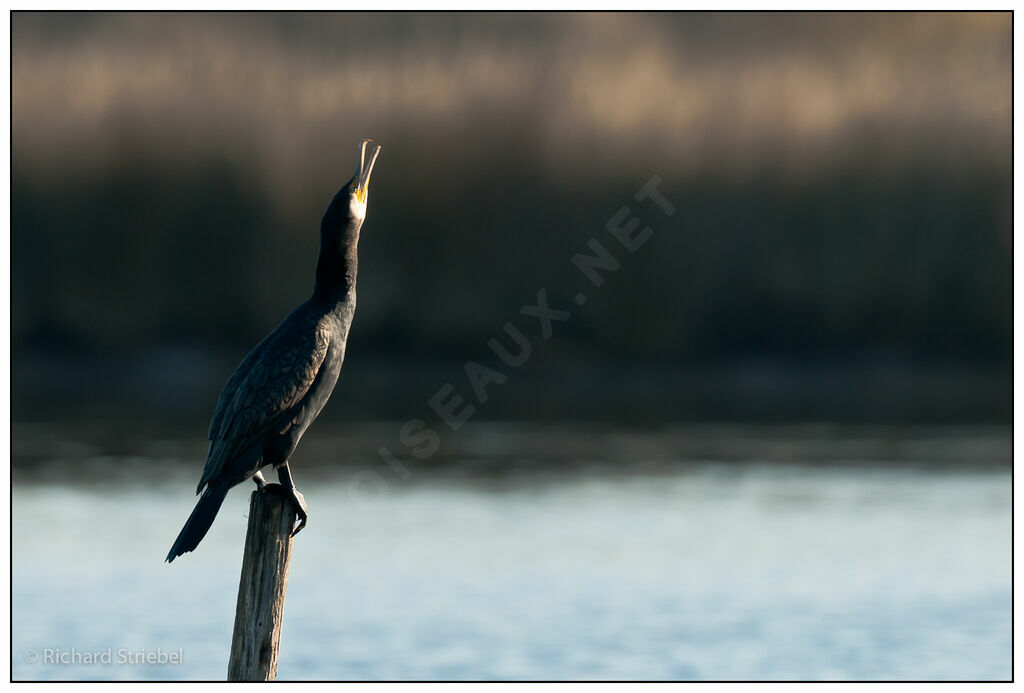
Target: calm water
[712,571]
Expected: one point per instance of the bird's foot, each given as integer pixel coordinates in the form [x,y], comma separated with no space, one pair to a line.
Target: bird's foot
[300,509]
[293,495]
[261,483]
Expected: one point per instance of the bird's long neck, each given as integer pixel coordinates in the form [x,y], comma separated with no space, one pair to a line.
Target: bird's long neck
[336,270]
[338,263]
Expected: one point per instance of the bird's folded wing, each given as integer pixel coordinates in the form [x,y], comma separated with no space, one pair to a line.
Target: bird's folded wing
[267,388]
[227,393]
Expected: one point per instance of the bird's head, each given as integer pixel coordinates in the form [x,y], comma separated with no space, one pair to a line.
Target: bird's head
[359,186]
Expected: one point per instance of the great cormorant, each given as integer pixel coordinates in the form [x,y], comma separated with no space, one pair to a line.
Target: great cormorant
[283,383]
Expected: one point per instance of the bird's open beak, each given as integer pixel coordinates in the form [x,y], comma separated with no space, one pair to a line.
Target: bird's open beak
[365,169]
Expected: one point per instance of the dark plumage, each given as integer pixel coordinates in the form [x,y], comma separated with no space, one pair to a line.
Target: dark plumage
[283,383]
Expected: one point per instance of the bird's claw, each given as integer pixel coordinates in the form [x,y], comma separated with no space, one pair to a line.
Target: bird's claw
[300,509]
[297,500]
[268,487]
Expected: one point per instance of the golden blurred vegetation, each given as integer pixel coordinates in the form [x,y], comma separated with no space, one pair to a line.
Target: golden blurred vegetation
[843,180]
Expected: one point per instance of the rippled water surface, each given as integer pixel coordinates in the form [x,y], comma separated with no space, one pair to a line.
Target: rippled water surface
[711,571]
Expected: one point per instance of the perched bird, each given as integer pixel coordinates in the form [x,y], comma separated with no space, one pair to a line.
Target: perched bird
[283,383]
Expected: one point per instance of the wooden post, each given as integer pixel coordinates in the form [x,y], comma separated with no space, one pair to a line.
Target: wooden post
[261,589]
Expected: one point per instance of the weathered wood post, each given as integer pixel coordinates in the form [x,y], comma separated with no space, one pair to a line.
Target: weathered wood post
[261,589]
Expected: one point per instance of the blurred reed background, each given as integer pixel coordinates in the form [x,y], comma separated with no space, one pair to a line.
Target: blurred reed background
[841,250]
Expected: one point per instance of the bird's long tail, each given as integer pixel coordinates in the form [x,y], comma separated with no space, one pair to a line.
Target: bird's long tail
[199,521]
